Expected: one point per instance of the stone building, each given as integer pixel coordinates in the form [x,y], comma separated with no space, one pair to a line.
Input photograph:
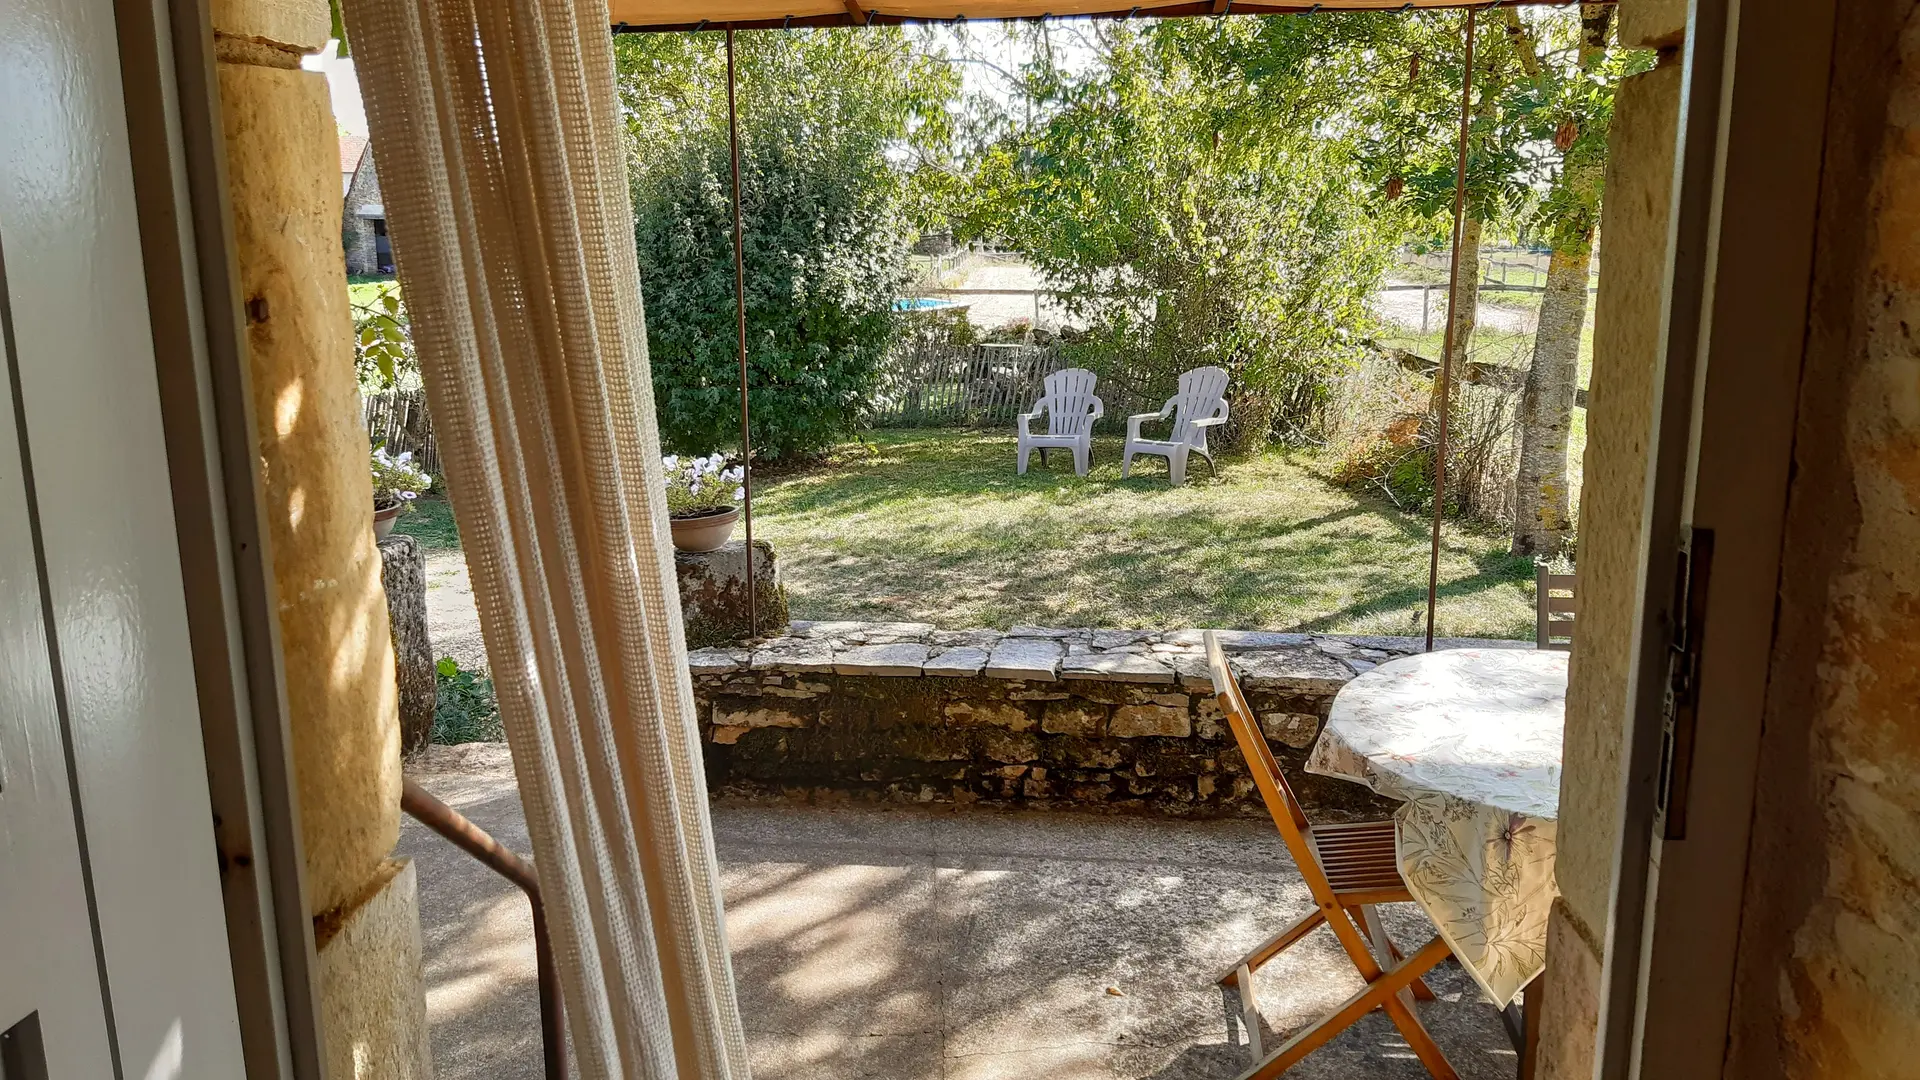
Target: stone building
[363,221]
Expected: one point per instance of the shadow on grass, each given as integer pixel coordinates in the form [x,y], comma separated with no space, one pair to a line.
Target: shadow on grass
[936,526]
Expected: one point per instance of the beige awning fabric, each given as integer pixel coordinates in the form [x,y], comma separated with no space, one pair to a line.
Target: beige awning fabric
[760,14]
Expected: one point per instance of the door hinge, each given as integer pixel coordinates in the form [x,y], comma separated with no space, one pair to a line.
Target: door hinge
[1693,571]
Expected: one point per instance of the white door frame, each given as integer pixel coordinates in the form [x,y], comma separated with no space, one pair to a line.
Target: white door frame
[1740,267]
[179,165]
[133,406]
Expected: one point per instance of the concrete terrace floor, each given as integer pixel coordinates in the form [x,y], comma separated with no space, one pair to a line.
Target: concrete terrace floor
[938,944]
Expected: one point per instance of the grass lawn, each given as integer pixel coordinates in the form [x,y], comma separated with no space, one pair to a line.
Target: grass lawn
[431,522]
[935,526]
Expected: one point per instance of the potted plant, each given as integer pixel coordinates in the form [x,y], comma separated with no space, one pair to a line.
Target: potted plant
[700,491]
[396,482]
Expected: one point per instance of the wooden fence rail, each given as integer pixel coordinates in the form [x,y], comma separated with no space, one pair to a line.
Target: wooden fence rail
[925,385]
[920,385]
[398,420]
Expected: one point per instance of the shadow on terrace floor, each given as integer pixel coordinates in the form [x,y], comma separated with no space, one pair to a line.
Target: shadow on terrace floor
[901,944]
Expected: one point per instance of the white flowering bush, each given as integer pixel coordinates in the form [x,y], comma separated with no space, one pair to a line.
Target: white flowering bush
[701,485]
[395,477]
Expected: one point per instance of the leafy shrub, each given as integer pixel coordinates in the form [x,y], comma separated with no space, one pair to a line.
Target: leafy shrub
[465,709]
[383,355]
[1194,210]
[827,223]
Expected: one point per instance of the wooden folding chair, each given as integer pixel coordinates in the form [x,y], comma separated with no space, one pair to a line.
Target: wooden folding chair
[1556,610]
[1349,869]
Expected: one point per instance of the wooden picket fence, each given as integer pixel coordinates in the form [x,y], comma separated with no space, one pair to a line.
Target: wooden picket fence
[930,385]
[398,419]
[921,385]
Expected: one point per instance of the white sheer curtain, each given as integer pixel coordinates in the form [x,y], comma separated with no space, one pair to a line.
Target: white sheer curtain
[502,171]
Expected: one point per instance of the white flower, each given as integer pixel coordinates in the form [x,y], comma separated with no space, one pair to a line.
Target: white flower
[739,493]
[404,457]
[735,474]
[670,462]
[693,487]
[409,495]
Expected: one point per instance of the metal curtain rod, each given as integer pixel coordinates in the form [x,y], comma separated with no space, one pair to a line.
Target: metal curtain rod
[1444,390]
[740,313]
[869,17]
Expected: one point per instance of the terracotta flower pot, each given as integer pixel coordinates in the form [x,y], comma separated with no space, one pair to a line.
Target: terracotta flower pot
[384,517]
[705,532]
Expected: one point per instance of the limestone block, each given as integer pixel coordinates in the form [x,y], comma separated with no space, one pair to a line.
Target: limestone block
[970,639]
[1626,346]
[1294,729]
[1073,718]
[1236,640]
[898,659]
[283,171]
[1294,668]
[716,661]
[795,654]
[1570,1016]
[373,1009]
[1653,24]
[403,574]
[1117,666]
[300,26]
[1003,714]
[1026,658]
[961,662]
[713,592]
[1208,721]
[1010,748]
[768,716]
[865,633]
[1133,721]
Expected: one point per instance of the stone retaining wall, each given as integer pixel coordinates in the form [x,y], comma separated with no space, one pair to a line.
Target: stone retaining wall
[1115,719]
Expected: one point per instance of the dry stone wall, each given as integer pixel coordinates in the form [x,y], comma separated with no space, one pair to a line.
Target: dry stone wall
[1109,719]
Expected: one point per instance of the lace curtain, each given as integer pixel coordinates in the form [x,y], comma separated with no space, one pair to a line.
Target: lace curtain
[502,170]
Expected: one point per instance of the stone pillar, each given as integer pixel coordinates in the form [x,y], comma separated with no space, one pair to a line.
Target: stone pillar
[1626,347]
[403,573]
[283,174]
[713,593]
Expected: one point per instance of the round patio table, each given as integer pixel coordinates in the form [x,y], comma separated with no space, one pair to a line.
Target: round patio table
[1469,741]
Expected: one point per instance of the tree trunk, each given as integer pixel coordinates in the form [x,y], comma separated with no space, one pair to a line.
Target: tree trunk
[1541,511]
[1466,313]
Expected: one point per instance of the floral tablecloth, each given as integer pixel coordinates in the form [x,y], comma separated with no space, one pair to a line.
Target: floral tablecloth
[1469,741]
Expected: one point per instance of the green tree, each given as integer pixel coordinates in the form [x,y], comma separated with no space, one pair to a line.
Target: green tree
[1191,202]
[1567,104]
[1411,115]
[835,127]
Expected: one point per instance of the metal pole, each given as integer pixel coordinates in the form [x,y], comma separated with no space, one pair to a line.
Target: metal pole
[740,311]
[472,839]
[1444,390]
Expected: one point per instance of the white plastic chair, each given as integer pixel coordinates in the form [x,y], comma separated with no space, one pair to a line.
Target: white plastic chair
[1200,404]
[1071,410]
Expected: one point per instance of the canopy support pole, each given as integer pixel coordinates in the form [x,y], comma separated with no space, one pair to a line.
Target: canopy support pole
[1444,391]
[740,313]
